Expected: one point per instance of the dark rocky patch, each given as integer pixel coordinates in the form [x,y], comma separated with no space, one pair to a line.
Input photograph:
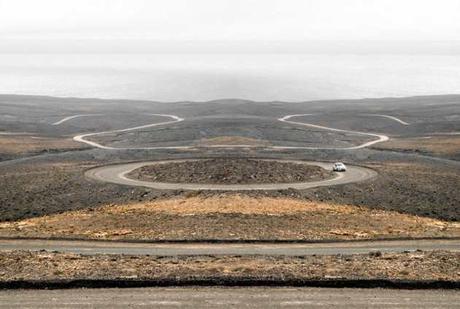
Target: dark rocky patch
[230,171]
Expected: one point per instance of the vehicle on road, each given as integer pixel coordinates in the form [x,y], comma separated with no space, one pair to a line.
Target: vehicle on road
[339,167]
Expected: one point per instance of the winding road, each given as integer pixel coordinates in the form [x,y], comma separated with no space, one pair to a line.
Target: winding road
[82,138]
[380,137]
[73,117]
[389,117]
[117,174]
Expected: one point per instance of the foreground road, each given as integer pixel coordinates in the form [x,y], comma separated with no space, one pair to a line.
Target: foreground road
[229,297]
[117,174]
[107,247]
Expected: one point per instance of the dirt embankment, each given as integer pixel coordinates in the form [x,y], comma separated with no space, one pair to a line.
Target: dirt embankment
[230,171]
[230,217]
[24,265]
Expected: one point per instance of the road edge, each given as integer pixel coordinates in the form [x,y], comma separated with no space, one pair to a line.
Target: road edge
[229,282]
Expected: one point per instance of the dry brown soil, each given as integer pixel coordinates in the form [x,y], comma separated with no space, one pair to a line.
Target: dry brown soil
[230,216]
[23,265]
[437,145]
[25,144]
[230,171]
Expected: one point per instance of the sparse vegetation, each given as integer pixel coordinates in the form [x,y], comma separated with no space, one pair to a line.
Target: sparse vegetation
[447,146]
[437,265]
[22,145]
[230,217]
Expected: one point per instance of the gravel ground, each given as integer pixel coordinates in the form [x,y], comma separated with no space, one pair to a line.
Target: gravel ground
[230,217]
[445,146]
[427,190]
[407,183]
[230,171]
[432,265]
[16,146]
[42,188]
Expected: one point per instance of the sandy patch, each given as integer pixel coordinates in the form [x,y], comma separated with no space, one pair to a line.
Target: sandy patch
[231,216]
[447,145]
[27,144]
[22,265]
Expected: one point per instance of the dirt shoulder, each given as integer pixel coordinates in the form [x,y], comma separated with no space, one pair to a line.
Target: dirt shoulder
[230,217]
[25,145]
[230,171]
[445,146]
[430,265]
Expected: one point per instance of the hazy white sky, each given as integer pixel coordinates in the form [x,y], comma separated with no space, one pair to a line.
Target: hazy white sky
[231,19]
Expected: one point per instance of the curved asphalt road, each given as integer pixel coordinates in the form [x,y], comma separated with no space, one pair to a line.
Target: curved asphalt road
[117,174]
[289,249]
[380,137]
[73,117]
[82,138]
[389,117]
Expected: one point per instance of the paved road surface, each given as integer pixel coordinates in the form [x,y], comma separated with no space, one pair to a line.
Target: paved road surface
[117,174]
[380,137]
[229,297]
[82,138]
[73,117]
[389,117]
[107,247]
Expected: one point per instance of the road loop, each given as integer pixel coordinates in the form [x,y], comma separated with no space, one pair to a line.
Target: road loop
[117,174]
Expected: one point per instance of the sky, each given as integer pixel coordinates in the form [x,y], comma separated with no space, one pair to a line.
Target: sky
[230,20]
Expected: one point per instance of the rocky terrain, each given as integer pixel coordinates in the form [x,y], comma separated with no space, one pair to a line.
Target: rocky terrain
[54,182]
[230,171]
[437,265]
[230,217]
[56,185]
[44,192]
[440,145]
[16,146]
